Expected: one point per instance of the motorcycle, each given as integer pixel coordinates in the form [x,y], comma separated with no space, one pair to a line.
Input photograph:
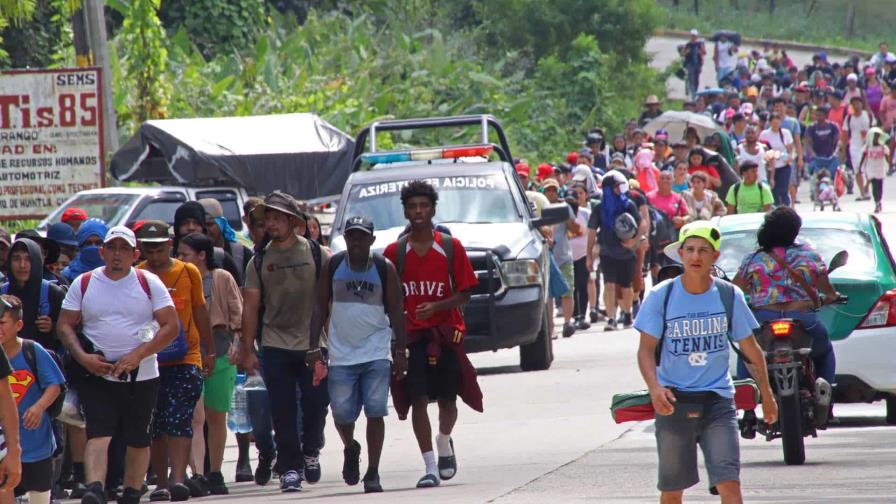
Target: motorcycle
[804,399]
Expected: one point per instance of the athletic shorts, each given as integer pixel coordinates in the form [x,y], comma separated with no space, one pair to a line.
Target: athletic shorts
[437,382]
[36,477]
[618,271]
[119,407]
[217,391]
[179,390]
[568,271]
[710,423]
[356,385]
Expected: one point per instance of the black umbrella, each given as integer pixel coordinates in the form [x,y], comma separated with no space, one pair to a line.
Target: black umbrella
[733,36]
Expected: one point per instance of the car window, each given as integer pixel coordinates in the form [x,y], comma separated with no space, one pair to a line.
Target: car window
[470,199]
[112,208]
[827,241]
[230,205]
[162,210]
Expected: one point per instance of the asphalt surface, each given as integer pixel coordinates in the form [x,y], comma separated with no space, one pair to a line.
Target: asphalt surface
[664,51]
[548,437]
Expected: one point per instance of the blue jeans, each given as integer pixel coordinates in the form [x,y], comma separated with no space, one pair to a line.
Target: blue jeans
[831,163]
[781,192]
[822,350]
[284,371]
[259,406]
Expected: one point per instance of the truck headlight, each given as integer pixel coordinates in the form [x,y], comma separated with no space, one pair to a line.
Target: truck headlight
[520,273]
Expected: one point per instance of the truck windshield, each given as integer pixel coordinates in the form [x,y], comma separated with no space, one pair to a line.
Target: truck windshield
[112,208]
[467,198]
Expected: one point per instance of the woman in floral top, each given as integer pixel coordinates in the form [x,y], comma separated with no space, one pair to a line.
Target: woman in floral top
[773,292]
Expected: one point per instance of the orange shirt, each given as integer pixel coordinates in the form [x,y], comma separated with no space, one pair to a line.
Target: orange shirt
[184,283]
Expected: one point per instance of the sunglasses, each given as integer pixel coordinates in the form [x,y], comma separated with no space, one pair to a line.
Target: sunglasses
[4,306]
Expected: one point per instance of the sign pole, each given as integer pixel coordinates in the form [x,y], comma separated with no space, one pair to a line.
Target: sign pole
[96,28]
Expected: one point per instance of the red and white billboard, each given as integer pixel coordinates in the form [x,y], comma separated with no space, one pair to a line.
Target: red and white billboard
[51,138]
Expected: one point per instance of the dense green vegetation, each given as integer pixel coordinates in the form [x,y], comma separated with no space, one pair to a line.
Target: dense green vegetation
[548,71]
[825,22]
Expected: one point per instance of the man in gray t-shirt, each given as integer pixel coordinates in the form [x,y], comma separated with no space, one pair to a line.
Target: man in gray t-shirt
[563,254]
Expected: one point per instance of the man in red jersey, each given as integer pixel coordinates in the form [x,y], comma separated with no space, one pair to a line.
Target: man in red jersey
[437,279]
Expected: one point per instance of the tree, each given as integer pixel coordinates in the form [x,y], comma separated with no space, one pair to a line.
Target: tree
[33,33]
[145,62]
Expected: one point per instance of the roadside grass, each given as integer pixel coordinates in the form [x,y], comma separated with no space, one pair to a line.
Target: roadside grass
[825,25]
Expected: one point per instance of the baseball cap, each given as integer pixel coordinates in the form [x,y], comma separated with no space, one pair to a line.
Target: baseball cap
[358,222]
[661,134]
[614,178]
[869,71]
[123,233]
[582,172]
[522,169]
[584,152]
[593,138]
[213,208]
[280,202]
[544,170]
[153,231]
[694,32]
[73,214]
[550,183]
[852,77]
[752,91]
[699,229]
[572,157]
[62,233]
[617,157]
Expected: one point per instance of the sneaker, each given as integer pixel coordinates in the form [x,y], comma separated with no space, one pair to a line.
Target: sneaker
[130,496]
[568,329]
[626,320]
[582,325]
[290,482]
[179,492]
[263,469]
[611,325]
[159,495]
[448,465]
[244,473]
[94,494]
[593,316]
[351,464]
[372,483]
[198,485]
[312,469]
[428,481]
[216,484]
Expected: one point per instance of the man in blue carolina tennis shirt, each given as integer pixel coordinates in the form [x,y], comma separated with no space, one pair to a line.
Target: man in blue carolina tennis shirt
[690,386]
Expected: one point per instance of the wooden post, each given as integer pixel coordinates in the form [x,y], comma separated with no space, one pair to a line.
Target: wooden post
[81,39]
[851,20]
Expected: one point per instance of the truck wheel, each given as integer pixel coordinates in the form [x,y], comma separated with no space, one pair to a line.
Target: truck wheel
[891,410]
[538,355]
[790,422]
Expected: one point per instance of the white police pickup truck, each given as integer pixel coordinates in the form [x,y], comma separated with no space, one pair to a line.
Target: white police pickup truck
[482,203]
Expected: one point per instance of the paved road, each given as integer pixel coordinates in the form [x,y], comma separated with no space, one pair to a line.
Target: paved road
[548,436]
[665,53]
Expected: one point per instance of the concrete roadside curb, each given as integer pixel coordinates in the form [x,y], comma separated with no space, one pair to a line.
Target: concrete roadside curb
[797,46]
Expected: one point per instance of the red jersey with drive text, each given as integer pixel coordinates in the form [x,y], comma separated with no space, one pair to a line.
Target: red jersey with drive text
[425,279]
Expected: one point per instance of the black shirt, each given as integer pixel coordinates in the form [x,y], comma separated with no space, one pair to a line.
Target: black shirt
[5,367]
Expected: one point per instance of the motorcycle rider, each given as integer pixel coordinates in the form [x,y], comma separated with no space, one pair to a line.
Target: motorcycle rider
[783,279]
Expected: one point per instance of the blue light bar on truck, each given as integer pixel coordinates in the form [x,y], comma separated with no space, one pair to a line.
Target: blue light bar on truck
[426,154]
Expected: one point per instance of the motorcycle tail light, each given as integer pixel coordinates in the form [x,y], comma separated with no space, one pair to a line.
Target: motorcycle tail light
[882,313]
[781,328]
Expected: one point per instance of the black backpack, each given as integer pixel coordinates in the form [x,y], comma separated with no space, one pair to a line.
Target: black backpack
[30,356]
[662,230]
[379,262]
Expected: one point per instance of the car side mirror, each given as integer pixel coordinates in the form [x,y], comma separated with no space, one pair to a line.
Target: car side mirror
[553,214]
[839,260]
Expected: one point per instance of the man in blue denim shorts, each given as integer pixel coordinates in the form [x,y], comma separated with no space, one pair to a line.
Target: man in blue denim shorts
[365,293]
[683,356]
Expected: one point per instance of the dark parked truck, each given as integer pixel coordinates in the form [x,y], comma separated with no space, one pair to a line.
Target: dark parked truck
[482,203]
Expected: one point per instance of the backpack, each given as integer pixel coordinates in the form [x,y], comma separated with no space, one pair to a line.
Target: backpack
[379,262]
[43,307]
[447,246]
[30,355]
[726,292]
[761,193]
[662,230]
[174,351]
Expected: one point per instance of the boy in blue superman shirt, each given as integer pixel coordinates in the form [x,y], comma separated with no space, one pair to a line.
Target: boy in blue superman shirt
[34,390]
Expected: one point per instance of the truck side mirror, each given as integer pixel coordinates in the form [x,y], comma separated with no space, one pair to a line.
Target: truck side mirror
[553,214]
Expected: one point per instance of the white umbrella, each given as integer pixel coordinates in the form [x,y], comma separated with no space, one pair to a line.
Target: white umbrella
[677,122]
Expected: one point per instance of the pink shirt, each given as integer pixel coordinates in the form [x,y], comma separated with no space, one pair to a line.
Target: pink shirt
[672,205]
[887,112]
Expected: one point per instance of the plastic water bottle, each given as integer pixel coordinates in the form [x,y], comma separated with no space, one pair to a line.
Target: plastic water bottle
[254,382]
[238,418]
